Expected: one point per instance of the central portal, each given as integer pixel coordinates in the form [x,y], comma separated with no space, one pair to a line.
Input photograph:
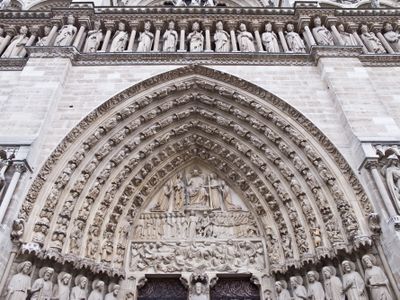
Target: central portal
[196,226]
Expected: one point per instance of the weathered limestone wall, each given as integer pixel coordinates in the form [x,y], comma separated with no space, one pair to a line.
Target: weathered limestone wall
[45,100]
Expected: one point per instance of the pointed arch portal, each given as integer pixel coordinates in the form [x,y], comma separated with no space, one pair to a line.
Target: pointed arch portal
[194,171]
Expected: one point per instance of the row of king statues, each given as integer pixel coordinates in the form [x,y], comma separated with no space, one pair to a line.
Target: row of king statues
[195,41]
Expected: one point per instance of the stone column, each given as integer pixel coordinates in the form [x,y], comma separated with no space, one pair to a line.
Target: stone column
[10,261]
[183,25]
[232,27]
[331,23]
[10,32]
[207,27]
[353,29]
[56,24]
[109,26]
[158,25]
[256,26]
[279,28]
[377,28]
[303,24]
[84,22]
[134,25]
[34,33]
[19,169]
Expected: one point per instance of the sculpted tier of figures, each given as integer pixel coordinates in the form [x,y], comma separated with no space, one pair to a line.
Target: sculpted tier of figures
[67,33]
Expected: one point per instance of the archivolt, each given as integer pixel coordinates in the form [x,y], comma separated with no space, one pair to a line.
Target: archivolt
[309,203]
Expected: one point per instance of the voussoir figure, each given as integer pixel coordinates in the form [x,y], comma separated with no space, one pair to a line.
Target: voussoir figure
[94,38]
[294,41]
[67,33]
[269,39]
[376,279]
[322,35]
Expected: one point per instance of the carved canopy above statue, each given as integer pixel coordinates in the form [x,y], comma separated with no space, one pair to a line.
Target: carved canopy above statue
[154,166]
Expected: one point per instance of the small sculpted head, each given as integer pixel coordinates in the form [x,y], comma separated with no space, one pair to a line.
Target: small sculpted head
[219,25]
[388,27]
[243,27]
[317,21]
[278,287]
[171,25]
[97,25]
[198,288]
[364,28]
[268,27]
[290,27]
[147,25]
[196,26]
[327,272]
[23,30]
[367,261]
[340,27]
[121,26]
[71,20]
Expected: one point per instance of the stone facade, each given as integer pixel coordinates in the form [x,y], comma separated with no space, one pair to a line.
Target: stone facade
[138,156]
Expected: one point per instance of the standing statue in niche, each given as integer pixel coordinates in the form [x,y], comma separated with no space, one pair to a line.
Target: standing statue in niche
[370,40]
[269,39]
[281,290]
[392,173]
[20,283]
[221,38]
[333,285]
[113,291]
[170,38]
[164,199]
[179,192]
[199,292]
[315,289]
[79,291]
[94,38]
[97,292]
[393,37]
[376,279]
[196,38]
[17,44]
[322,35]
[346,37]
[227,197]
[62,290]
[42,288]
[67,33]
[45,40]
[120,39]
[294,41]
[245,39]
[215,193]
[299,291]
[197,193]
[353,284]
[146,38]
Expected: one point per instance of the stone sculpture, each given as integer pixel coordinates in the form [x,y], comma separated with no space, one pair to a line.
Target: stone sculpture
[94,38]
[222,38]
[79,291]
[164,199]
[294,41]
[298,289]
[227,197]
[315,289]
[393,37]
[353,284]
[98,289]
[113,291]
[62,290]
[199,292]
[269,39]
[67,33]
[371,41]
[198,195]
[215,192]
[17,45]
[45,40]
[1,35]
[209,3]
[179,2]
[145,39]
[281,290]
[179,192]
[20,283]
[196,38]
[170,38]
[346,37]
[195,3]
[42,288]
[245,39]
[376,279]
[333,285]
[120,39]
[392,173]
[321,34]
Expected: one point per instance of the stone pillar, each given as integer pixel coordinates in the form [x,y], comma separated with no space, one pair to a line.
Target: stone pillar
[207,28]
[134,25]
[84,22]
[183,25]
[109,26]
[34,33]
[10,261]
[10,32]
[232,27]
[377,28]
[331,23]
[304,22]
[279,28]
[353,29]
[158,25]
[256,26]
